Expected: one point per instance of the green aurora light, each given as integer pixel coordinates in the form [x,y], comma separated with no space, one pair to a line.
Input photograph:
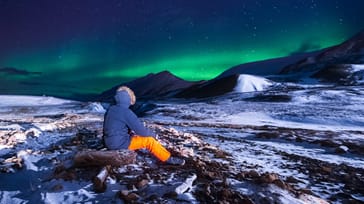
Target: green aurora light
[87,53]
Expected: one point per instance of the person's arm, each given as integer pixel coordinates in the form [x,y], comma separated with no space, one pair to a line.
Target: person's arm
[137,126]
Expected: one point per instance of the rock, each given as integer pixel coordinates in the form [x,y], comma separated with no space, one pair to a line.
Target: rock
[128,196]
[267,135]
[269,177]
[187,152]
[326,169]
[292,179]
[280,184]
[306,191]
[187,185]
[253,174]
[99,183]
[102,158]
[142,183]
[211,174]
[328,143]
[310,199]
[57,187]
[220,154]
[173,131]
[299,139]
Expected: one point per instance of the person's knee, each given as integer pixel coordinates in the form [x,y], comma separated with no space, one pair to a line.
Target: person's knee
[151,141]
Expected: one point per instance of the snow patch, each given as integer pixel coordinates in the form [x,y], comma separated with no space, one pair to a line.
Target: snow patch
[16,100]
[357,67]
[28,160]
[10,197]
[250,83]
[262,118]
[72,193]
[96,108]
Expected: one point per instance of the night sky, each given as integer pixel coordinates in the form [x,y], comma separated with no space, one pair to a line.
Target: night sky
[71,47]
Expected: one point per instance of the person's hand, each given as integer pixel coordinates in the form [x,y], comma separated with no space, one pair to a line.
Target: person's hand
[131,132]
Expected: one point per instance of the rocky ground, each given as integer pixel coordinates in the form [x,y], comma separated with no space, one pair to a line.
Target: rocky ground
[207,177]
[37,147]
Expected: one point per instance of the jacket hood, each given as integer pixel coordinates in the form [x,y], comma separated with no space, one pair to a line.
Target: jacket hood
[122,98]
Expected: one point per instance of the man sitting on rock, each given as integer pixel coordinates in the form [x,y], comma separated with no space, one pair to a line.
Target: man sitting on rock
[119,121]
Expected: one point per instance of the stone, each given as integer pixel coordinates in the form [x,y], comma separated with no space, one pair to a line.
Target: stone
[310,199]
[57,187]
[128,196]
[280,184]
[142,183]
[253,174]
[326,169]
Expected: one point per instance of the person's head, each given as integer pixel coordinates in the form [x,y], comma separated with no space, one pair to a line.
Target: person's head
[129,92]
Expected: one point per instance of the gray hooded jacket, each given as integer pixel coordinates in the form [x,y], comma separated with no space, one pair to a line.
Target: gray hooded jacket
[119,119]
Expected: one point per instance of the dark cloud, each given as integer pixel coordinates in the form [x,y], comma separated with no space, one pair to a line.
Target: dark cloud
[19,72]
[306,47]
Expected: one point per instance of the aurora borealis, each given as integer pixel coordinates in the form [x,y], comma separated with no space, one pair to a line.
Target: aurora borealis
[84,47]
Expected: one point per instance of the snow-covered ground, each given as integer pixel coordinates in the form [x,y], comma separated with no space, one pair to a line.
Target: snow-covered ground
[310,136]
[29,127]
[283,130]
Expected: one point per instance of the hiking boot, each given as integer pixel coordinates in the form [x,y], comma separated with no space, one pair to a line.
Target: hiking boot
[175,161]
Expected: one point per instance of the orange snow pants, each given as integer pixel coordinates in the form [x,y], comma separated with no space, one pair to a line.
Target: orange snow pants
[151,144]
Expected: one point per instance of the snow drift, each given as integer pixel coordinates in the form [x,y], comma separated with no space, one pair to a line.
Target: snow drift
[250,83]
[343,74]
[21,100]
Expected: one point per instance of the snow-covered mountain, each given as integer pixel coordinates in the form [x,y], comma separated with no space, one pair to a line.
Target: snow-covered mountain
[336,64]
[343,74]
[340,64]
[221,86]
[266,67]
[214,87]
[250,83]
[165,84]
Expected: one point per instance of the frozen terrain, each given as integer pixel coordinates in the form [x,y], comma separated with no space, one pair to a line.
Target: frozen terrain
[286,143]
[311,135]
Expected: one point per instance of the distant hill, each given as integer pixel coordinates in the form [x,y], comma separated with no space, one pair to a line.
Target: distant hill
[349,52]
[220,86]
[338,64]
[151,85]
[214,87]
[266,67]
[335,64]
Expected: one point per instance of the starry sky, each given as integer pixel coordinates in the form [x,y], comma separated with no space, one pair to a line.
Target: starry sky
[74,47]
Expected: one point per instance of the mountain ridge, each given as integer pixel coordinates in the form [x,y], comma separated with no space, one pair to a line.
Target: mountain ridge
[151,85]
[327,64]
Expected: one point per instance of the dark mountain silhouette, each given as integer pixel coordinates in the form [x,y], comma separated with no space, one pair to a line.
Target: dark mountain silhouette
[337,64]
[15,71]
[267,67]
[342,74]
[331,60]
[215,87]
[150,86]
